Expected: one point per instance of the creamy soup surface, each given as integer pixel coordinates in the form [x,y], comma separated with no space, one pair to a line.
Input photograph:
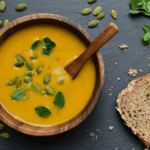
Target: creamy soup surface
[77,92]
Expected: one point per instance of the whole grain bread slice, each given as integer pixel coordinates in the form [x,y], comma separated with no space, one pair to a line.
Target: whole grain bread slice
[134,107]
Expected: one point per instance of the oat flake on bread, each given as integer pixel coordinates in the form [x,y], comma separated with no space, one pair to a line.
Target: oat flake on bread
[134,107]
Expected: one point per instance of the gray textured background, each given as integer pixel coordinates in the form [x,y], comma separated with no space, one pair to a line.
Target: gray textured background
[104,114]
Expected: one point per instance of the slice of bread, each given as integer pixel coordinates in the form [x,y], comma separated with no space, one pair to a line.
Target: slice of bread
[134,107]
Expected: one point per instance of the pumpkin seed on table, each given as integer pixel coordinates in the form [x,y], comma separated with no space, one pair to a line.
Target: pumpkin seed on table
[18,82]
[5,23]
[93,23]
[101,15]
[34,56]
[29,73]
[97,10]
[114,14]
[10,83]
[46,79]
[91,1]
[2,5]
[60,81]
[29,66]
[5,135]
[27,79]
[36,88]
[21,7]
[50,90]
[39,70]
[86,11]
[1,23]
[2,126]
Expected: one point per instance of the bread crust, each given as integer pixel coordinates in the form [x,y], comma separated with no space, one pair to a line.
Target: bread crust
[135,131]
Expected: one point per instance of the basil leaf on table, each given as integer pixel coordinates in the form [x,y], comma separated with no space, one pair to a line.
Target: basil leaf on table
[18,94]
[135,11]
[146,37]
[59,100]
[146,28]
[35,45]
[43,112]
[145,42]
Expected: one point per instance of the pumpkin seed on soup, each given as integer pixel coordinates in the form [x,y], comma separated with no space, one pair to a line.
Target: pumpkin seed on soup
[114,14]
[21,7]
[60,80]
[97,10]
[27,79]
[29,73]
[10,83]
[36,88]
[5,23]
[91,1]
[18,82]
[2,126]
[29,66]
[44,92]
[46,79]
[50,90]
[101,15]
[2,5]
[19,64]
[34,56]
[5,135]
[93,23]
[86,11]
[20,58]
[39,70]
[1,23]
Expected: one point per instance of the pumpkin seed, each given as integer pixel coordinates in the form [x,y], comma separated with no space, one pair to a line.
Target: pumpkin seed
[27,79]
[34,56]
[10,83]
[50,90]
[24,98]
[101,15]
[21,7]
[46,79]
[1,23]
[19,64]
[39,70]
[86,11]
[114,14]
[36,88]
[20,59]
[29,66]
[2,5]
[5,135]
[2,126]
[18,82]
[29,73]
[91,1]
[44,92]
[5,23]
[97,10]
[60,81]
[93,23]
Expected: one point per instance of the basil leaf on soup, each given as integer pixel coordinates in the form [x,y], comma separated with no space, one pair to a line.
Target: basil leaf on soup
[46,50]
[48,43]
[42,111]
[18,94]
[59,100]
[35,45]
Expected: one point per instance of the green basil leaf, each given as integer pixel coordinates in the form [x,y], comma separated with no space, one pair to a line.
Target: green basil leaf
[148,6]
[43,112]
[46,50]
[135,11]
[59,100]
[146,13]
[134,4]
[146,37]
[145,42]
[35,45]
[18,94]
[146,28]
[48,43]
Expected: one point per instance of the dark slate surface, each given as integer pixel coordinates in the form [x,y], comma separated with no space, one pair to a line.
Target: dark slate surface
[104,114]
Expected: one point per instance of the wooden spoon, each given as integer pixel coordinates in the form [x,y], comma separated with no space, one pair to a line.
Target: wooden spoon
[74,67]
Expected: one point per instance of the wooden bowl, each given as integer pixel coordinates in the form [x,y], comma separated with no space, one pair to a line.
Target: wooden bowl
[19,23]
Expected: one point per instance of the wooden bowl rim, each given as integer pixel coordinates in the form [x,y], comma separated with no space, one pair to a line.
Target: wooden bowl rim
[34,131]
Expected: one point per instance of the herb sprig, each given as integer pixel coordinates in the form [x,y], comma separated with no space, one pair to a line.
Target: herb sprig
[146,37]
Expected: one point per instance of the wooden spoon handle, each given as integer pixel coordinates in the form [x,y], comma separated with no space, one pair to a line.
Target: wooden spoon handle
[103,37]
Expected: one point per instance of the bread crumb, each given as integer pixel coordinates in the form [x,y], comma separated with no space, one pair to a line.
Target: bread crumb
[97,129]
[111,128]
[96,137]
[92,139]
[144,47]
[118,78]
[132,148]
[132,72]
[116,148]
[146,149]
[110,94]
[112,87]
[116,63]
[123,47]
[148,57]
[101,132]
[141,70]
[91,134]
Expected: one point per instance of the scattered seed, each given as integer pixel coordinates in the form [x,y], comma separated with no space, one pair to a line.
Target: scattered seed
[18,82]
[91,1]
[27,79]
[101,15]
[116,63]
[21,7]
[111,128]
[29,66]
[44,92]
[34,56]
[24,98]
[29,73]
[118,78]
[2,5]
[46,79]
[39,70]
[86,11]
[114,14]
[5,23]
[5,135]
[1,23]
[97,10]
[2,126]
[93,23]
[50,90]
[20,58]
[36,88]
[19,64]
[10,83]
[60,81]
